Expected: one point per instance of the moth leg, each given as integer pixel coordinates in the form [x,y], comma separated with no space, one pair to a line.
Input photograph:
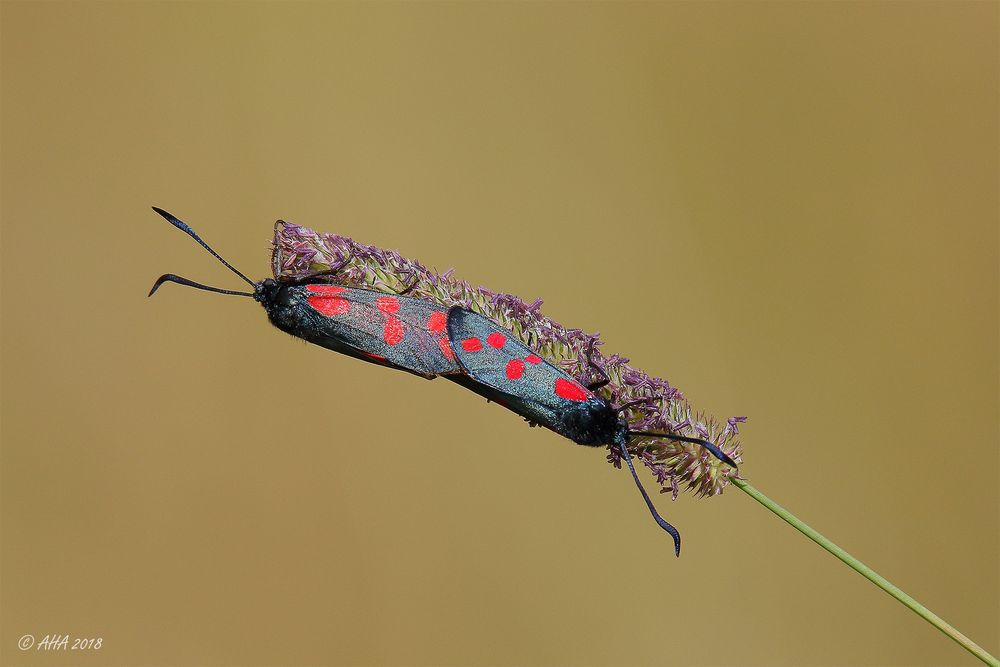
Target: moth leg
[325,272]
[594,386]
[409,287]
[605,380]
[647,399]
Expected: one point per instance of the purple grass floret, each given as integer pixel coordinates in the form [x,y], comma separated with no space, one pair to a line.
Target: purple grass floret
[300,252]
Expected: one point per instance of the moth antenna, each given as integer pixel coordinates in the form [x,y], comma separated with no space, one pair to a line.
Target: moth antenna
[171,278]
[649,503]
[184,227]
[710,446]
[640,401]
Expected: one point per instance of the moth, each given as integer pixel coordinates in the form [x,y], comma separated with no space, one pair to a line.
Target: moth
[430,340]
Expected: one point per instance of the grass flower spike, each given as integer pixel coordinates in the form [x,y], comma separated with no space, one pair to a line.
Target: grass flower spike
[656,405]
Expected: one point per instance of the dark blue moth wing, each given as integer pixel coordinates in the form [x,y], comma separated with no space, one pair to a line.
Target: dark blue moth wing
[396,331]
[501,368]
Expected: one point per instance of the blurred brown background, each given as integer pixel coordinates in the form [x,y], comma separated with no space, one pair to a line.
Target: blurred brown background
[789,210]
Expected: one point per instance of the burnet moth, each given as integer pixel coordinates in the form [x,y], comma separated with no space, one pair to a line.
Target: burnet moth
[427,339]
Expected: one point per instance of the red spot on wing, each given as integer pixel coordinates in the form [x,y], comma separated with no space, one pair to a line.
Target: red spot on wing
[393,334]
[515,369]
[372,355]
[446,350]
[571,391]
[496,340]
[437,322]
[329,305]
[533,359]
[387,304]
[326,290]
[472,345]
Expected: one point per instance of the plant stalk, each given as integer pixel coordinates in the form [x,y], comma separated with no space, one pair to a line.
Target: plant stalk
[867,573]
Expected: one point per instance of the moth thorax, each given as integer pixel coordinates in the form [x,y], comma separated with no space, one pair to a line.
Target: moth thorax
[591,423]
[283,304]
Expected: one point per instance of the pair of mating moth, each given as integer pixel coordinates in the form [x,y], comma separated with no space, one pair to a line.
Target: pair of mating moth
[430,340]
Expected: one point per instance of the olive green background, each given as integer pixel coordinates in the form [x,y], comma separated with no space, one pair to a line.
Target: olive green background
[789,210]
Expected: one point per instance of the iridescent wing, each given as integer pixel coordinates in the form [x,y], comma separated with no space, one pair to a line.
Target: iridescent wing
[509,373]
[397,331]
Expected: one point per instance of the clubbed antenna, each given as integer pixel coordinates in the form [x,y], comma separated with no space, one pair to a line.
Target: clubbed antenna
[710,446]
[649,503]
[171,278]
[184,227]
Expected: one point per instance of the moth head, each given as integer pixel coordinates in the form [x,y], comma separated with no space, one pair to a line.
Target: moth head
[265,291]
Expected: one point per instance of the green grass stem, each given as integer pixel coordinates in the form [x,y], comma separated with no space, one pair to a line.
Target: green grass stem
[868,573]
